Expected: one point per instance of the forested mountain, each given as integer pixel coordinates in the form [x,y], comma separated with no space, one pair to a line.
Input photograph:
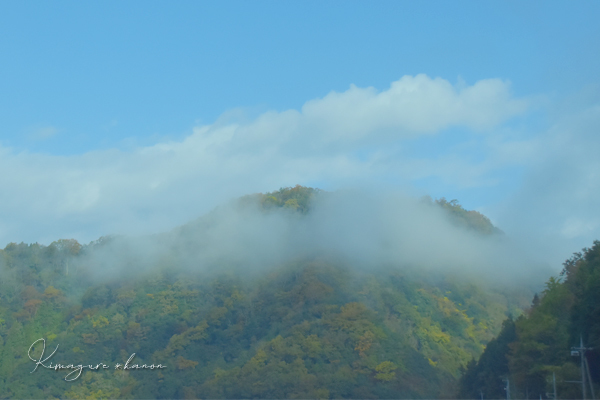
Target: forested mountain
[227,323]
[534,351]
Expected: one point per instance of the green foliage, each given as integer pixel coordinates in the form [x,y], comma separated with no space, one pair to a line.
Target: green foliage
[311,328]
[385,371]
[538,344]
[486,376]
[295,198]
[468,219]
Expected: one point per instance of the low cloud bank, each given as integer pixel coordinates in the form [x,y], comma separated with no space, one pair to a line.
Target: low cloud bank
[365,230]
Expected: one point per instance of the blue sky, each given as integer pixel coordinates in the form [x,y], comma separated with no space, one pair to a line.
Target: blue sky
[132,117]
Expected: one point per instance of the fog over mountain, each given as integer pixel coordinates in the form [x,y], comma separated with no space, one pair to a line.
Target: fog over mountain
[299,283]
[365,229]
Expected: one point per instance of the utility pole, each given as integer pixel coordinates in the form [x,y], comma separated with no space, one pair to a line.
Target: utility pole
[507,388]
[587,368]
[580,351]
[554,384]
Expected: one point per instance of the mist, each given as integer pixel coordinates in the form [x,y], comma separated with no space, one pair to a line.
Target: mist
[366,230]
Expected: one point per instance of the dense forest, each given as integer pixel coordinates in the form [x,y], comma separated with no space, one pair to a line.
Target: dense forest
[533,352]
[308,326]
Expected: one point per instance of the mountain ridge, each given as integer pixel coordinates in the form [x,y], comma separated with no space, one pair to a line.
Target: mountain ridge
[313,325]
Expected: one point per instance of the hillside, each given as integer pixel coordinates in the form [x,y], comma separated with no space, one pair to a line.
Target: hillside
[229,319]
[532,348]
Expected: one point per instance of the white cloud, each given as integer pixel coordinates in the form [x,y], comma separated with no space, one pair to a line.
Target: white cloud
[43,133]
[412,106]
[575,227]
[556,209]
[156,187]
